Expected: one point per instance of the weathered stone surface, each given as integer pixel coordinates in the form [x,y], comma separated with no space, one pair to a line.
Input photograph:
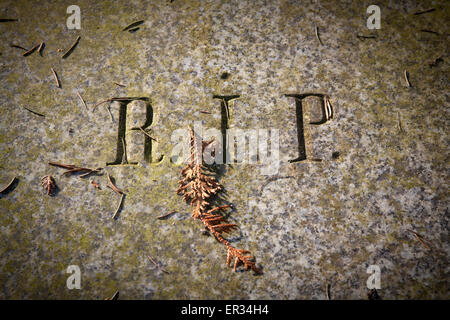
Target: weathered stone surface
[384,167]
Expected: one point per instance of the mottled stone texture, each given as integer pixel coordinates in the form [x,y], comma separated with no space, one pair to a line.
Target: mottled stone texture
[384,154]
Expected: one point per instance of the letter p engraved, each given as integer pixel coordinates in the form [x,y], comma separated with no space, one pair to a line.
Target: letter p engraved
[74,280]
[322,102]
[374,281]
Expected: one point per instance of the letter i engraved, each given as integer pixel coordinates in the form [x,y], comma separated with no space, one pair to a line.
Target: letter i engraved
[326,115]
[225,119]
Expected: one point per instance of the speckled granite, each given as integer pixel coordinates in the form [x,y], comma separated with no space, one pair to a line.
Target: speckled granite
[312,224]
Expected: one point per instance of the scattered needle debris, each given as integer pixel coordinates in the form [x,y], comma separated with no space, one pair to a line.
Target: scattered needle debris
[71,169]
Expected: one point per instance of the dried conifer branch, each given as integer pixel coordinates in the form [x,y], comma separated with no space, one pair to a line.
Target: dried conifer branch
[197,189]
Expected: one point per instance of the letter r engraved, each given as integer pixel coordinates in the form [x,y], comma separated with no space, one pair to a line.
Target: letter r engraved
[134,142]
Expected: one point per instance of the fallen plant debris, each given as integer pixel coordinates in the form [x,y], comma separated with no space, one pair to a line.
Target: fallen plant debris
[34,112]
[134,24]
[5,188]
[113,186]
[48,183]
[72,47]
[119,84]
[95,184]
[156,264]
[197,188]
[115,296]
[71,169]
[362,36]
[420,239]
[165,215]
[133,30]
[116,213]
[146,133]
[31,50]
[406,75]
[18,47]
[316,29]
[424,11]
[82,100]
[58,84]
[41,47]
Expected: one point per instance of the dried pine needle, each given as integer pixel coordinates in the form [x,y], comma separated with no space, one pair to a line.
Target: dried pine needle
[119,206]
[72,47]
[165,215]
[140,128]
[424,11]
[31,50]
[41,47]
[113,186]
[82,100]
[58,84]
[406,75]
[124,151]
[34,112]
[317,34]
[134,24]
[18,47]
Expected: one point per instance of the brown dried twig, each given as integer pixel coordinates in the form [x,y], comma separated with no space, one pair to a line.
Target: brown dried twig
[58,84]
[420,239]
[18,47]
[72,47]
[71,169]
[134,24]
[41,47]
[113,186]
[82,100]
[165,215]
[31,50]
[156,264]
[114,297]
[406,75]
[48,183]
[118,206]
[197,189]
